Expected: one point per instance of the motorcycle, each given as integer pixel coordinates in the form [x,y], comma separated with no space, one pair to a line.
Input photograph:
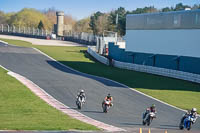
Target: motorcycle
[80,101]
[149,118]
[187,123]
[106,105]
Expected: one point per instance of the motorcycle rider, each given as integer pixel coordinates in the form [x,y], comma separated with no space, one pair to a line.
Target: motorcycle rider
[82,95]
[192,113]
[150,109]
[108,98]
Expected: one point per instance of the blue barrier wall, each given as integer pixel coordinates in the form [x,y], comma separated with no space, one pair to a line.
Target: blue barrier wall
[182,63]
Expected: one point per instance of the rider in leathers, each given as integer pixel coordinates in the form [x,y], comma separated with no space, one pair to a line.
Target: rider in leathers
[109,98]
[192,113]
[149,110]
[81,94]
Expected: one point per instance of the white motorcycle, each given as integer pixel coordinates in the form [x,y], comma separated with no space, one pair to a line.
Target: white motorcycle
[80,101]
[106,105]
[187,123]
[149,118]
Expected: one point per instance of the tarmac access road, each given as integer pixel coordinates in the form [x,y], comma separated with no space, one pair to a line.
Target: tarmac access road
[63,84]
[36,41]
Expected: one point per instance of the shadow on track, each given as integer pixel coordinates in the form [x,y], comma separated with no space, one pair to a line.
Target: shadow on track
[68,70]
[93,111]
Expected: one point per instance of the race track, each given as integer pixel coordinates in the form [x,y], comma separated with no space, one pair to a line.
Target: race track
[63,84]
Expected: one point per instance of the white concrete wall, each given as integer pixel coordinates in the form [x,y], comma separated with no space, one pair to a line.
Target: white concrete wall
[159,71]
[147,69]
[170,42]
[102,59]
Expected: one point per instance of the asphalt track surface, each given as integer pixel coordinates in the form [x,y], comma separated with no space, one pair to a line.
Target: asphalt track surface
[63,84]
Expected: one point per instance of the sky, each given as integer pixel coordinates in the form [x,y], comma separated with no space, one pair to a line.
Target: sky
[83,8]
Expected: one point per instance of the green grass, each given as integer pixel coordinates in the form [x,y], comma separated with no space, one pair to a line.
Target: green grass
[20,109]
[176,92]
[17,42]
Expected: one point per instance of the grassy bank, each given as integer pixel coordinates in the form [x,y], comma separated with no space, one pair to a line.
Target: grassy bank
[20,109]
[179,93]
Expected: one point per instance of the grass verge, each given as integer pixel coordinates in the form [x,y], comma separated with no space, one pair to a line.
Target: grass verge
[20,109]
[182,94]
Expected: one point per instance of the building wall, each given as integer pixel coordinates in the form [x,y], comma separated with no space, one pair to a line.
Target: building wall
[186,64]
[170,42]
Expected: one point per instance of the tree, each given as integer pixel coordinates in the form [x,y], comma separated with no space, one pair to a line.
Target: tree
[2,18]
[121,24]
[51,15]
[101,24]
[180,6]
[93,22]
[83,25]
[30,18]
[166,9]
[40,25]
[196,7]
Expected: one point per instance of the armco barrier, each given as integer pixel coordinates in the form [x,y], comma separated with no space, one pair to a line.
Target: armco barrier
[102,59]
[158,71]
[147,69]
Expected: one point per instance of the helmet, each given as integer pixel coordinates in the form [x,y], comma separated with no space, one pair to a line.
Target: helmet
[109,95]
[153,105]
[82,91]
[194,110]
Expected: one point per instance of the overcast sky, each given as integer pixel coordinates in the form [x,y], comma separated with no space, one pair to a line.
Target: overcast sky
[83,8]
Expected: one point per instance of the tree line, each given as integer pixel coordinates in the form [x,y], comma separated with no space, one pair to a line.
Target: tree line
[97,23]
[107,21]
[29,17]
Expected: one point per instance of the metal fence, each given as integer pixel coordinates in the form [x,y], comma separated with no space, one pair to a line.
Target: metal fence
[26,31]
[82,37]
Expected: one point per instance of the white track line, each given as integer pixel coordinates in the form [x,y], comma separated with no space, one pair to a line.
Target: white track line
[3,42]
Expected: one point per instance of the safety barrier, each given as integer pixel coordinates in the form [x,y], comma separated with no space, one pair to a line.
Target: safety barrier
[102,59]
[147,69]
[158,71]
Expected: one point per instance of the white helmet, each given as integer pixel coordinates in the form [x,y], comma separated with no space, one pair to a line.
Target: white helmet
[82,91]
[194,110]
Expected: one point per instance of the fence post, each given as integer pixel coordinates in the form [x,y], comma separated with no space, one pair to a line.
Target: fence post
[19,30]
[46,32]
[24,30]
[33,31]
[8,28]
[13,30]
[38,30]
[29,30]
[2,27]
